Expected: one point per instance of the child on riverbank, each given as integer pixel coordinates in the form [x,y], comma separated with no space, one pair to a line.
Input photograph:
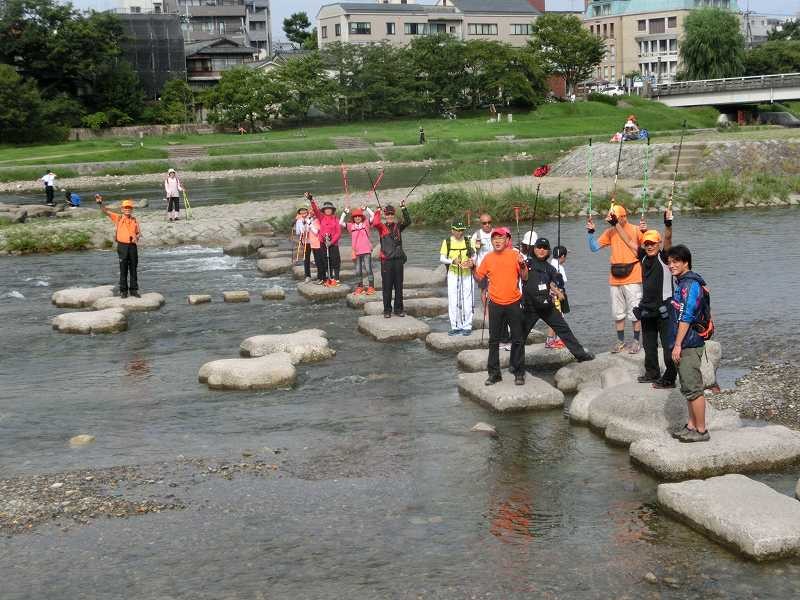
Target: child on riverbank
[359,229]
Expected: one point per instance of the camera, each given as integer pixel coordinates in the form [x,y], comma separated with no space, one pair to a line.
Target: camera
[646,313]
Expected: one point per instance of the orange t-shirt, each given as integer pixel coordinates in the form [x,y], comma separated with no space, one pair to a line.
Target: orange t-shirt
[502,269]
[127,227]
[622,254]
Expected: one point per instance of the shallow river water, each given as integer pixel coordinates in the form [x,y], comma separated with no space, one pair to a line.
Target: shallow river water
[380,490]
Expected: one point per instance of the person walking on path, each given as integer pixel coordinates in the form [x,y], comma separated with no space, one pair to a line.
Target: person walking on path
[687,345]
[127,235]
[49,182]
[421,135]
[457,253]
[359,228]
[330,232]
[504,267]
[625,279]
[172,192]
[541,293]
[393,257]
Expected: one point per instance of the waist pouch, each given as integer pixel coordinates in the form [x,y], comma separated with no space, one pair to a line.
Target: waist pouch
[622,270]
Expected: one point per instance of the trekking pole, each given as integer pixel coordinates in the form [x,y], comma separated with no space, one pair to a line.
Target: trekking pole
[187,205]
[589,208]
[675,174]
[646,172]
[533,214]
[374,185]
[516,218]
[616,174]
[558,239]
[346,186]
[485,300]
[421,179]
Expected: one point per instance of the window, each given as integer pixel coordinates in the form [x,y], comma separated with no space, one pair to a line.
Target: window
[323,31]
[657,26]
[522,29]
[437,28]
[662,45]
[136,9]
[672,22]
[641,25]
[611,31]
[482,29]
[337,29]
[673,45]
[390,29]
[605,30]
[591,29]
[360,28]
[416,29]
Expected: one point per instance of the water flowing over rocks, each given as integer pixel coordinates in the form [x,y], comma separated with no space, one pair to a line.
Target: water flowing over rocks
[264,373]
[394,329]
[274,266]
[198,298]
[416,307]
[273,293]
[743,514]
[78,297]
[506,396]
[109,320]
[311,291]
[147,302]
[307,345]
[236,296]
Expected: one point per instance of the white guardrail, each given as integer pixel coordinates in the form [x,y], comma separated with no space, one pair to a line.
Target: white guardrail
[728,84]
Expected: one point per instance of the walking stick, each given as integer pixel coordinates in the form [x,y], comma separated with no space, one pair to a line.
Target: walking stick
[374,185]
[616,174]
[589,208]
[421,179]
[677,161]
[646,172]
[516,218]
[533,214]
[346,186]
[558,239]
[187,205]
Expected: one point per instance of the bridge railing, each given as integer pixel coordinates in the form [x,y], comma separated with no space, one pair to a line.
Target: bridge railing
[699,86]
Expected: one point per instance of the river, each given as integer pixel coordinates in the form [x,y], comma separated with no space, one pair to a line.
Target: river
[380,491]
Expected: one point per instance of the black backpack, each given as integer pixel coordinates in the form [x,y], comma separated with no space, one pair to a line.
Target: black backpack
[704,322]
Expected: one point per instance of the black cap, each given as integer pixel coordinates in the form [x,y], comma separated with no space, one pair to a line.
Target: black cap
[389,210]
[542,243]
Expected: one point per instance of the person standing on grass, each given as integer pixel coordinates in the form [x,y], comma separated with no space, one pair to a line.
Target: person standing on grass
[625,279]
[49,182]
[504,268]
[393,257]
[172,192]
[457,253]
[421,135]
[127,235]
[687,346]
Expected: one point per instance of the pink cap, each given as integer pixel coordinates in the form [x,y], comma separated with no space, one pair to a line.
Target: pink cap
[504,231]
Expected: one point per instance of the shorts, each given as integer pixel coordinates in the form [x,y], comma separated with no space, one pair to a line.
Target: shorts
[623,300]
[690,374]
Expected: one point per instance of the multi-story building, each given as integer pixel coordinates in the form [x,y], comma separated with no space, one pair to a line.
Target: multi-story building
[642,36]
[135,7]
[401,21]
[245,21]
[207,59]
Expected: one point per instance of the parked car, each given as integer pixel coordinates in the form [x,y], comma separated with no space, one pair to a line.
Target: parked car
[613,90]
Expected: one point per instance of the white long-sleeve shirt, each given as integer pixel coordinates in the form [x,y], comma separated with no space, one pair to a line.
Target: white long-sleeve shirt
[49,179]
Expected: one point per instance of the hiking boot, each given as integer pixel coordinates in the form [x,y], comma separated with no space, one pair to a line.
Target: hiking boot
[123,294]
[319,282]
[618,347]
[519,379]
[492,379]
[400,314]
[370,291]
[466,332]
[454,332]
[558,344]
[387,315]
[663,384]
[694,436]
[549,343]
[585,357]
[506,347]
[307,279]
[647,378]
[681,432]
[335,282]
[135,294]
[634,347]
[359,291]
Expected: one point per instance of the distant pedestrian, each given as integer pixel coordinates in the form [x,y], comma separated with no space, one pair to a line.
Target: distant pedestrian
[172,191]
[421,135]
[49,181]
[72,199]
[127,235]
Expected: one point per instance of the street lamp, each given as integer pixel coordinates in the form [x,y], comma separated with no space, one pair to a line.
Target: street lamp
[658,72]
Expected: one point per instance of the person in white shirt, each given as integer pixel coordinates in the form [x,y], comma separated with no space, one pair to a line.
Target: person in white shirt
[554,342]
[481,240]
[172,192]
[49,181]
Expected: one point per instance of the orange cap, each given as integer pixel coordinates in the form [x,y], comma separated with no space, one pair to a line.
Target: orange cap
[127,204]
[651,235]
[619,210]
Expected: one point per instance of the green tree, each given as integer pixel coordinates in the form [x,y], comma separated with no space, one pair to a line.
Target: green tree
[297,28]
[498,73]
[303,83]
[177,102]
[566,47]
[439,62]
[244,95]
[118,88]
[712,46]
[24,116]
[342,61]
[773,57]
[385,82]
[790,30]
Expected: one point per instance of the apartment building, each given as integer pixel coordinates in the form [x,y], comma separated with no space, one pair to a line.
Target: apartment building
[642,36]
[245,21]
[401,21]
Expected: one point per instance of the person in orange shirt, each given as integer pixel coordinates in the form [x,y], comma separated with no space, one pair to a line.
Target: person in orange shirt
[504,267]
[127,236]
[625,278]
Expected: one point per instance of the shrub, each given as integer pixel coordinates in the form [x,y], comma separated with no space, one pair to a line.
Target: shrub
[718,191]
[604,98]
[97,120]
[27,240]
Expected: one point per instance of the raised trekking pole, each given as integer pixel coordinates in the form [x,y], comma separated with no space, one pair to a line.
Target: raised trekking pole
[616,174]
[516,218]
[589,207]
[421,179]
[558,238]
[675,174]
[646,171]
[346,186]
[187,205]
[374,185]
[533,214]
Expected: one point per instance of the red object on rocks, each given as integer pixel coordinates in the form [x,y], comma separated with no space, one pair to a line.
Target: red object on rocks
[541,171]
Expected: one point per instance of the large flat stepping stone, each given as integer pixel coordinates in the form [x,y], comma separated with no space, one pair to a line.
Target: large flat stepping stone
[199,298]
[265,373]
[78,297]
[312,291]
[243,246]
[742,514]
[506,396]
[747,449]
[357,301]
[417,277]
[633,411]
[394,329]
[416,307]
[535,337]
[442,342]
[298,272]
[109,320]
[236,296]
[581,403]
[273,293]
[274,266]
[307,345]
[276,253]
[571,377]
[147,302]
[536,357]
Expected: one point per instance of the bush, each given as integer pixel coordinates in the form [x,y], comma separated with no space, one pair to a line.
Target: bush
[97,120]
[604,98]
[719,191]
[26,240]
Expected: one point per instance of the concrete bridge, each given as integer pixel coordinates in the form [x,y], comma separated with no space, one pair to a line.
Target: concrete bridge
[734,90]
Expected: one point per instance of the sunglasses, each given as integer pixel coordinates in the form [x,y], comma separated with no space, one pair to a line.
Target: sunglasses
[486,222]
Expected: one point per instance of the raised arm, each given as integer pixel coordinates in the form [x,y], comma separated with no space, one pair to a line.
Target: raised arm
[406,217]
[593,245]
[667,229]
[632,244]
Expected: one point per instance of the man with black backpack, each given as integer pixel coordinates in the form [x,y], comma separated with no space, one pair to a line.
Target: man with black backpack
[690,326]
[457,254]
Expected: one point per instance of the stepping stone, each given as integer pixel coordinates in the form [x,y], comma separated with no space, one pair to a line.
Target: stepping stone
[81,440]
[485,429]
[394,329]
[569,378]
[634,411]
[273,293]
[77,297]
[312,291]
[276,253]
[441,342]
[747,449]
[416,307]
[505,396]
[265,373]
[109,320]
[298,272]
[307,345]
[236,296]
[274,266]
[579,407]
[147,302]
[742,514]
[418,277]
[536,357]
[535,336]
[243,246]
[354,301]
[198,298]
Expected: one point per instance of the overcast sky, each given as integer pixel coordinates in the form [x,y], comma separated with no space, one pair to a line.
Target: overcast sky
[283,8]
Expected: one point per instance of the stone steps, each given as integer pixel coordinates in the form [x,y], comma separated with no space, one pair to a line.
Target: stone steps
[182,152]
[350,143]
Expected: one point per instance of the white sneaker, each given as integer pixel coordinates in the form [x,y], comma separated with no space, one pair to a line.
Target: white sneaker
[506,347]
[307,279]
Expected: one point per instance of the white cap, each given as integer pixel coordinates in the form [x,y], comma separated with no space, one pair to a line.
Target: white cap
[530,237]
[170,171]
